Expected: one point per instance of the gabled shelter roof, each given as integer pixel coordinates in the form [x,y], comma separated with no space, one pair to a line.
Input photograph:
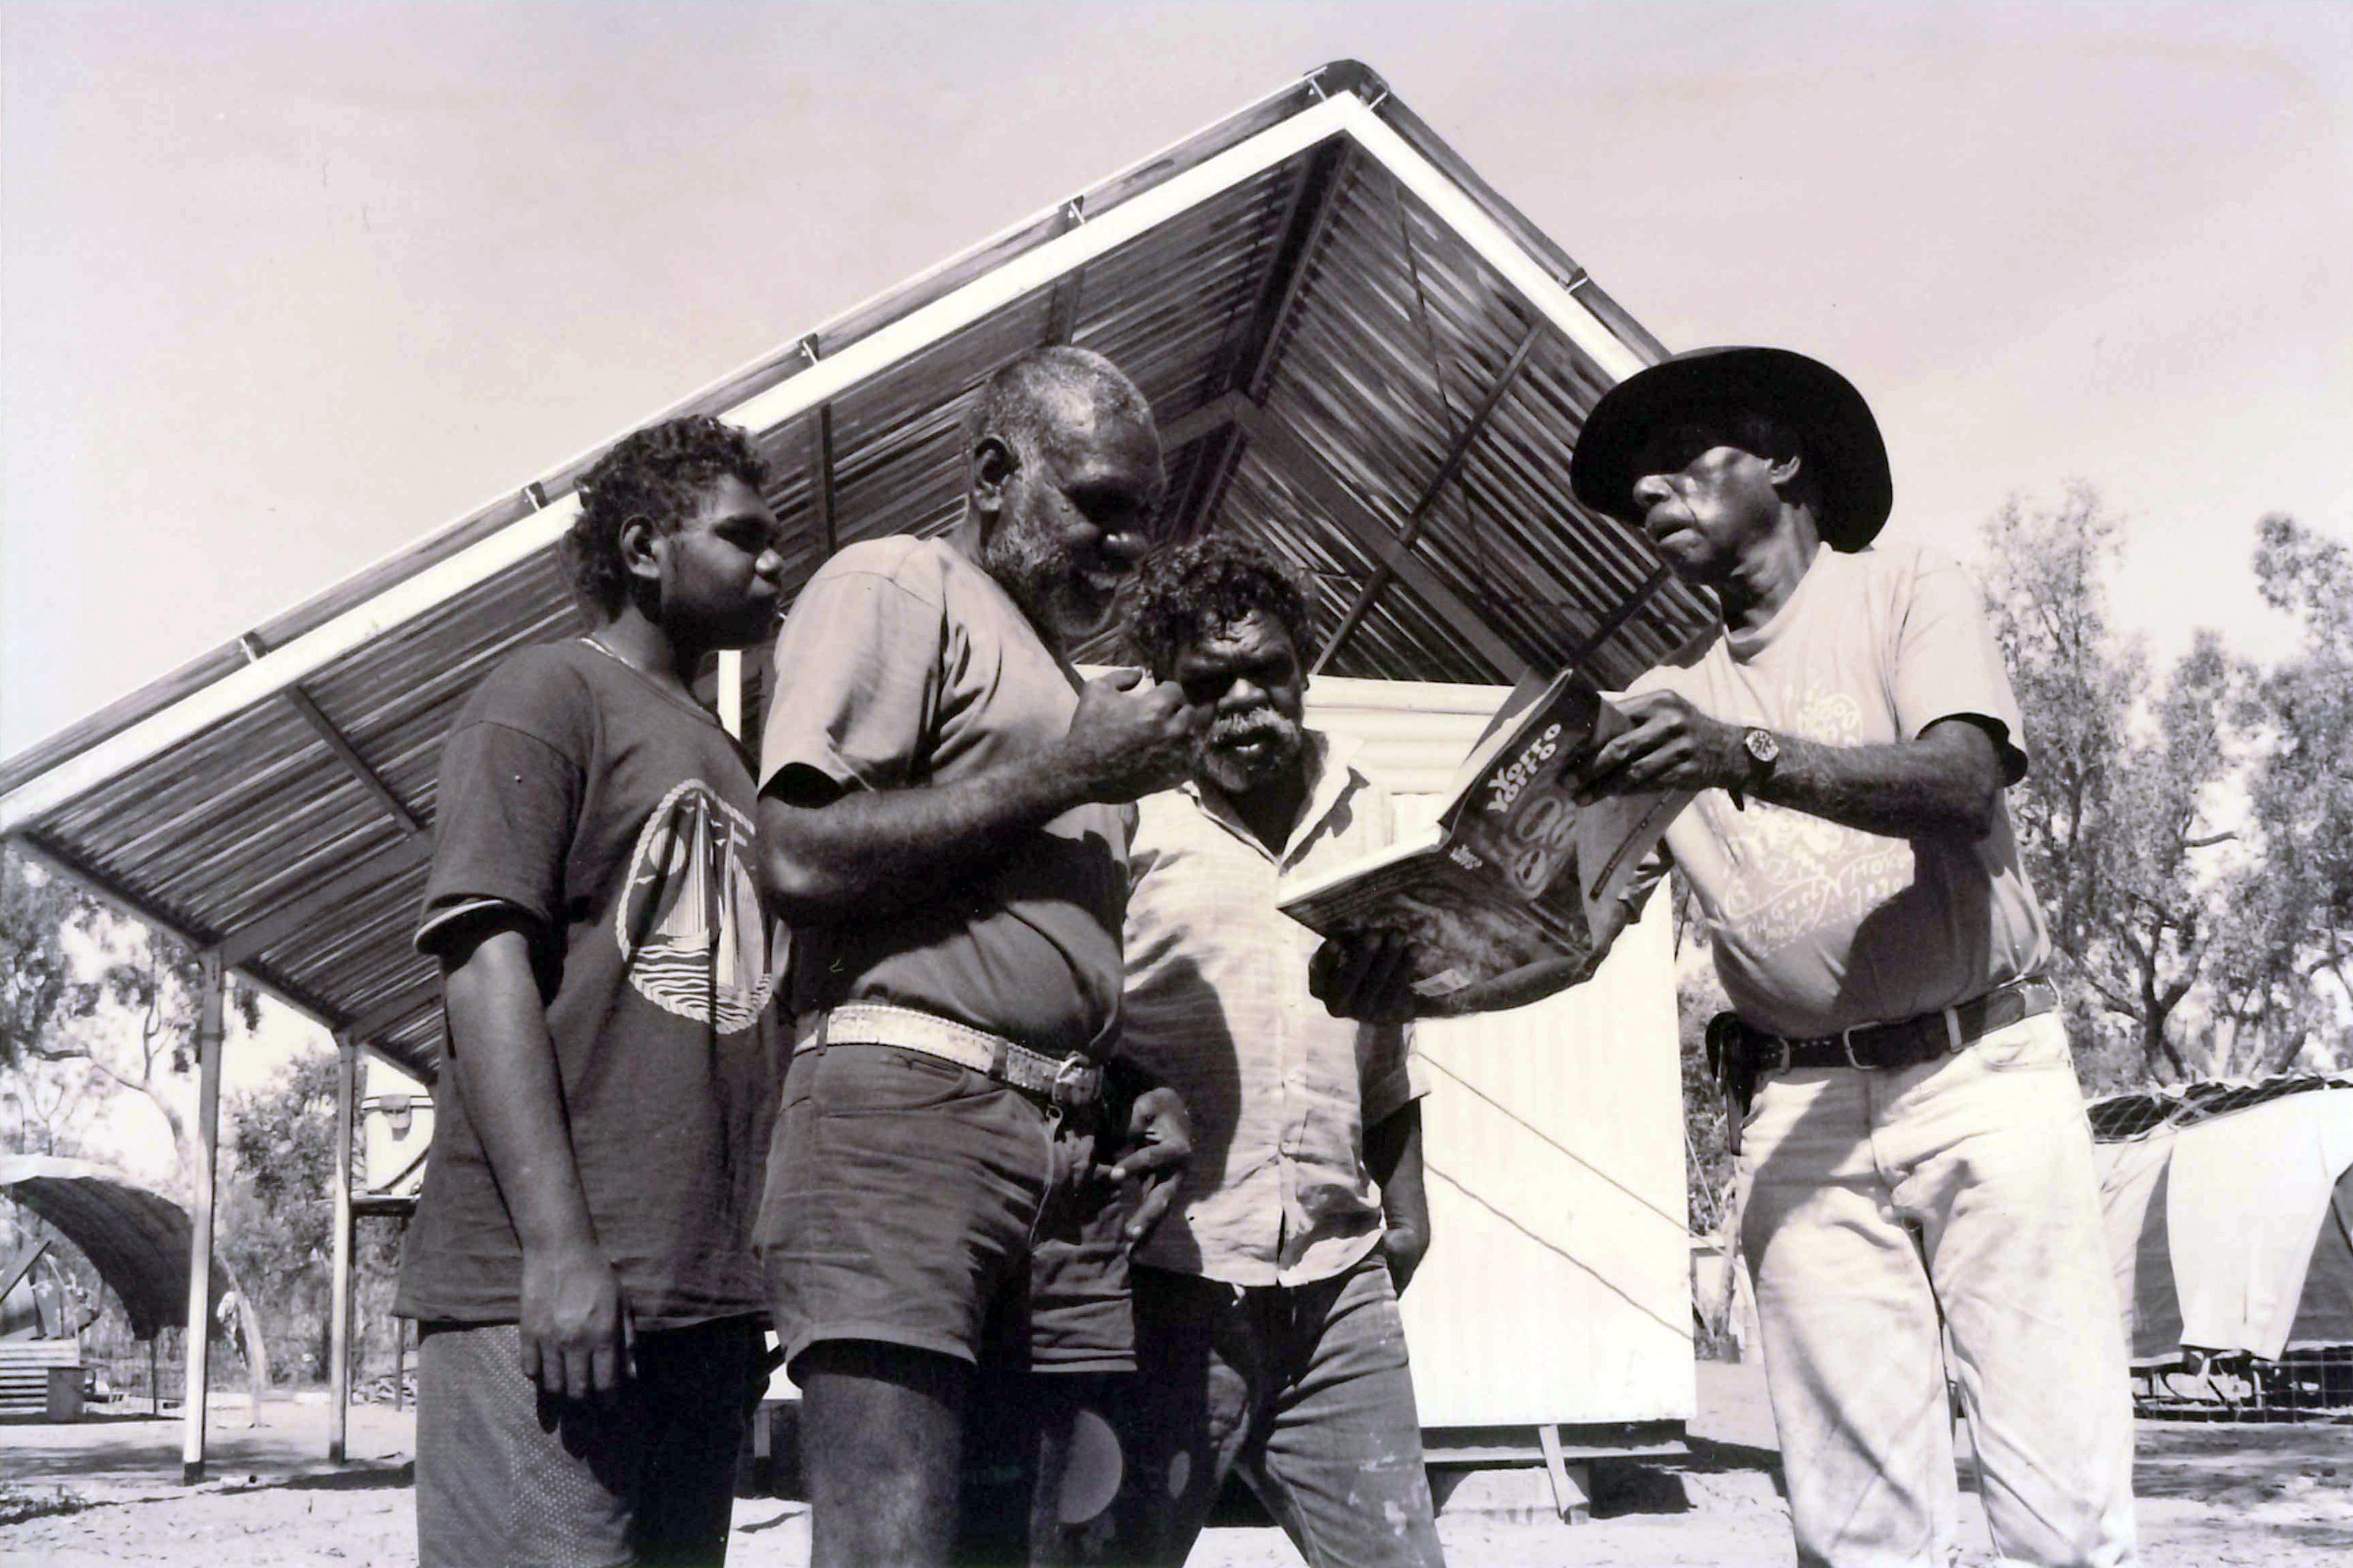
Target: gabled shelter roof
[1360,355]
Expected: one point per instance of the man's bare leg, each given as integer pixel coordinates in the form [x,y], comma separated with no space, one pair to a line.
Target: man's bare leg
[883,1430]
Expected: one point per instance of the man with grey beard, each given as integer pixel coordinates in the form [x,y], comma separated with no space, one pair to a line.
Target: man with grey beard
[1268,1338]
[944,821]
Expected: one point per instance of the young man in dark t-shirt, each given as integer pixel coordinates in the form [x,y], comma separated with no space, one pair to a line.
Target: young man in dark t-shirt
[590,1309]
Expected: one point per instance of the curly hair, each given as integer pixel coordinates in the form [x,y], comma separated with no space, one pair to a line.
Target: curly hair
[658,473]
[1185,593]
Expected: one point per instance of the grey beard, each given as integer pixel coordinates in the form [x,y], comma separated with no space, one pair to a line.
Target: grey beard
[1039,580]
[1236,775]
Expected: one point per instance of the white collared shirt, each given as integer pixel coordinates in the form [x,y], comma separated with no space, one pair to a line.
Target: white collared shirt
[1216,1006]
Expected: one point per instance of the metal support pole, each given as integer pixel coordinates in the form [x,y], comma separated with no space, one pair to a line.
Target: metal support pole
[210,1011]
[1063,306]
[1572,1485]
[339,1318]
[1458,453]
[731,690]
[820,428]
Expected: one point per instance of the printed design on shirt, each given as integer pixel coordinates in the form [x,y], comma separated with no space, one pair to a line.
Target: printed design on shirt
[694,939]
[1798,874]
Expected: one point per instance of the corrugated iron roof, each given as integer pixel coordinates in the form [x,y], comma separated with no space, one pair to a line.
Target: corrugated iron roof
[1360,355]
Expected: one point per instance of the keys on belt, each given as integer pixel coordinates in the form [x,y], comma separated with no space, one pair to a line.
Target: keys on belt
[1737,1053]
[1070,1082]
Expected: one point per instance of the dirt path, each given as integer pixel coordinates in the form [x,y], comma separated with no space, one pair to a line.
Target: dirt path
[2212,1497]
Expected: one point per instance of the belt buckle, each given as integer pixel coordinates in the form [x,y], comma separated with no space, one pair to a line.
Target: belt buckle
[1846,1044]
[1073,1074]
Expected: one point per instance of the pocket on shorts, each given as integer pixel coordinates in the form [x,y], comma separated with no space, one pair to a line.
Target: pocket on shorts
[2039,1043]
[883,1081]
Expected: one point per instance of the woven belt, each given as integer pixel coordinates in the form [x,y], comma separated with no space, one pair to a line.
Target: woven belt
[1072,1080]
[1908,1042]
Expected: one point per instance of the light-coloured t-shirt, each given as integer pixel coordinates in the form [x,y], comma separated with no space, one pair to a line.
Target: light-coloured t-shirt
[1817,927]
[903,665]
[1217,1007]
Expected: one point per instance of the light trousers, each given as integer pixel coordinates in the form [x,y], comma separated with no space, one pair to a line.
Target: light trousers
[1886,1209]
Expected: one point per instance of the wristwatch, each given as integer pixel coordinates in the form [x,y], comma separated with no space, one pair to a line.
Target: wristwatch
[1763,749]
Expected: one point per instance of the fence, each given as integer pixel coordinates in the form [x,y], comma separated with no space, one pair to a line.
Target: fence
[127,1379]
[2306,1384]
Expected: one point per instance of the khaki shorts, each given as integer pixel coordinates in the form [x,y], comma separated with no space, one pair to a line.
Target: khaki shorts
[913,1202]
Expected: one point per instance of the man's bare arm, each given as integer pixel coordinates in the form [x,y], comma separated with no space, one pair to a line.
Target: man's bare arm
[873,851]
[825,856]
[575,1330]
[1393,1157]
[1946,784]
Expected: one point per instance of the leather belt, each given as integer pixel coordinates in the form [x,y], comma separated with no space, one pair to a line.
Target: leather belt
[1073,1080]
[1907,1042]
[1738,1055]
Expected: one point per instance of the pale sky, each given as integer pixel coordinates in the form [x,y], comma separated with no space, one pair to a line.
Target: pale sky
[283,288]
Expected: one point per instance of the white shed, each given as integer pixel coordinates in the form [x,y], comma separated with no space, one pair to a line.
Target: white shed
[1554,1312]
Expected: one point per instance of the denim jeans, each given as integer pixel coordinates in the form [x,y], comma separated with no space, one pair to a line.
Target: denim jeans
[1304,1389]
[1884,1209]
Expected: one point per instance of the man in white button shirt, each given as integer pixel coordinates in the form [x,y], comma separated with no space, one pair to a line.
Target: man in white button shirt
[1268,1338]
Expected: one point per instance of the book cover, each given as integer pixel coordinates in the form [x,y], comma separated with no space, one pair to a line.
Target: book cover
[1515,871]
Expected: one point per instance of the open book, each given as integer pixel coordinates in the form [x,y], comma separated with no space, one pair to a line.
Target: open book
[1515,870]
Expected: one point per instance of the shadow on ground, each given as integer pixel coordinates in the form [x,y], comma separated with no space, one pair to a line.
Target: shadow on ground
[351,1478]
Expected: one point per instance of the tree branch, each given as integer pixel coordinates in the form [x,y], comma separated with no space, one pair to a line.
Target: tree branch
[138,1086]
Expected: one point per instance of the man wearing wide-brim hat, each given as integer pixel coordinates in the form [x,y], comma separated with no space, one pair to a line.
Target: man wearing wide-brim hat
[1912,1146]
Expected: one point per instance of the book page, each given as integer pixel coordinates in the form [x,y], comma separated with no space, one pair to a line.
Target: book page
[1458,931]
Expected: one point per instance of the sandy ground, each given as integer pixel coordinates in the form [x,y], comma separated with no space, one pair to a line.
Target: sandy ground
[2212,1497]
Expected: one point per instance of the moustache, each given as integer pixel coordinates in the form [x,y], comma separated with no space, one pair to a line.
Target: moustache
[1244,728]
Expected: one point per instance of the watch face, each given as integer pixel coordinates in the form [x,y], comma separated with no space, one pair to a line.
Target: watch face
[1762,745]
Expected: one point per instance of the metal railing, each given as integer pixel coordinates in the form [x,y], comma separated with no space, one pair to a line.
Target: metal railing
[2306,1384]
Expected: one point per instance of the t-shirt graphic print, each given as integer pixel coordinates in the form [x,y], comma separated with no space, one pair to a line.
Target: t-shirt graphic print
[1795,874]
[693,940]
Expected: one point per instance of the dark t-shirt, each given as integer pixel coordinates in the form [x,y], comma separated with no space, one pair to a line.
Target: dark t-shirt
[911,667]
[618,818]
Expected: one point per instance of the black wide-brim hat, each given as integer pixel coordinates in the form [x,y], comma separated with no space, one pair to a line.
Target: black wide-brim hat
[1842,439]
